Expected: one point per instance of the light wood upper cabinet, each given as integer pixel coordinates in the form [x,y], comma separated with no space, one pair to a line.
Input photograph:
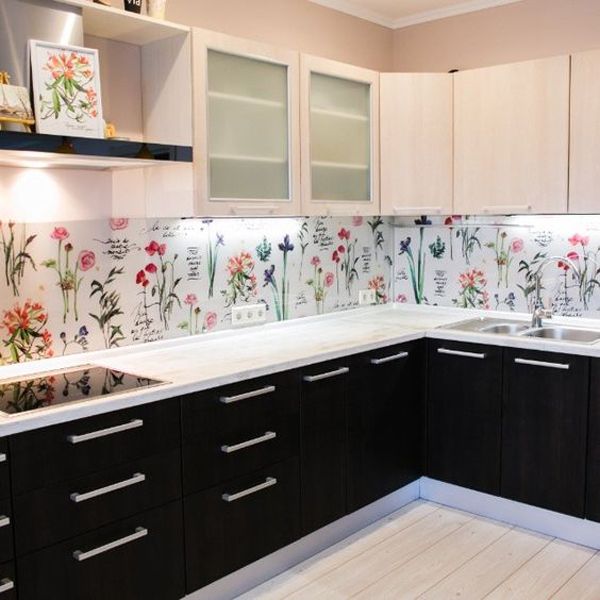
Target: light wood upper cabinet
[511,138]
[340,138]
[247,127]
[416,143]
[584,188]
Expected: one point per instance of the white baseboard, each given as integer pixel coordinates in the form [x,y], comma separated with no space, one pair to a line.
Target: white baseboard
[268,567]
[572,529]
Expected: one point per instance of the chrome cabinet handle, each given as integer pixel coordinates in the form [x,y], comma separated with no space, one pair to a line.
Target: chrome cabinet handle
[386,359]
[269,481]
[479,355]
[541,363]
[253,394]
[113,487]
[3,457]
[503,209]
[417,210]
[4,520]
[340,371]
[77,439]
[269,435]
[6,584]
[140,532]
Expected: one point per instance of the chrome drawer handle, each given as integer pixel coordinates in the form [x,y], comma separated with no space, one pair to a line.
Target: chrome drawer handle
[269,435]
[136,478]
[340,371]
[6,584]
[140,532]
[3,457]
[77,439]
[386,359]
[4,520]
[479,355]
[541,363]
[269,481]
[253,394]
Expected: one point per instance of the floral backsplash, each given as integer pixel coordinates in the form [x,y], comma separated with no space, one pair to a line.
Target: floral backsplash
[475,263]
[93,285]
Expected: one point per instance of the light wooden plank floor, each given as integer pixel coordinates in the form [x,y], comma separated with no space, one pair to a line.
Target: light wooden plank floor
[428,551]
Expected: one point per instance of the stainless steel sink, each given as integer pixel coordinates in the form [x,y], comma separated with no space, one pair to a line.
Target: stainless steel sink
[583,336]
[505,328]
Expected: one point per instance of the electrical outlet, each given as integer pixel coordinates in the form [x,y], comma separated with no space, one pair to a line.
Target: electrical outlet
[248,315]
[366,297]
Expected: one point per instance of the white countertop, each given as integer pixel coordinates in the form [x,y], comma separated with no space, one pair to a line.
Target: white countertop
[199,363]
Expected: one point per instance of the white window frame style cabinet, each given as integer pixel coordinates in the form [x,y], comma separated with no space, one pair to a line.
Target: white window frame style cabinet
[310,206]
[203,42]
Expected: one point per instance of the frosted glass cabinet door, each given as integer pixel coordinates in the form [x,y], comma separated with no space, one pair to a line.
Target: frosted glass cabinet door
[247,131]
[340,138]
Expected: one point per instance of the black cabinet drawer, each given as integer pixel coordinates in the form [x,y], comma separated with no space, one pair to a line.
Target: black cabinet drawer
[324,442]
[66,509]
[234,524]
[386,426]
[544,429]
[464,414]
[234,430]
[4,469]
[592,506]
[135,559]
[45,456]
[6,530]
[8,585]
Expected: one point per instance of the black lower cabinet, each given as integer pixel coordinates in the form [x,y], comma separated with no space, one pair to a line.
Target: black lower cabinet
[323,417]
[544,429]
[385,422]
[231,525]
[135,559]
[592,505]
[8,585]
[464,414]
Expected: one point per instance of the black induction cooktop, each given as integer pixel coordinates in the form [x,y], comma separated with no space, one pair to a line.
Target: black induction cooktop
[70,385]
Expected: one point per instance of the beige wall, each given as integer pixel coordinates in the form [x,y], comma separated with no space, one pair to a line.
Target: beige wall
[509,33]
[296,24]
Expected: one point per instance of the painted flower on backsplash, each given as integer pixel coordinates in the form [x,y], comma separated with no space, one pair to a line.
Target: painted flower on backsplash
[67,271]
[118,224]
[303,238]
[164,281]
[264,249]
[210,321]
[285,247]
[416,267]
[28,337]
[212,256]
[191,325]
[376,225]
[349,260]
[528,269]
[588,268]
[357,221]
[79,339]
[469,241]
[508,301]
[504,255]
[241,280]
[109,303]
[401,298]
[320,283]
[472,292]
[17,254]
[437,248]
[377,284]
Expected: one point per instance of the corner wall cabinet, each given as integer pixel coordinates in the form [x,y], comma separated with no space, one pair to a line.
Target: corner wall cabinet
[416,143]
[511,138]
[340,138]
[247,139]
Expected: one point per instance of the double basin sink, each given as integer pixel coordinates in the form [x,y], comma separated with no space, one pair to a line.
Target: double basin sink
[519,328]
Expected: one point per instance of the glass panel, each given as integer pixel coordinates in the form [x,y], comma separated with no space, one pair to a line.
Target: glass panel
[247,128]
[340,139]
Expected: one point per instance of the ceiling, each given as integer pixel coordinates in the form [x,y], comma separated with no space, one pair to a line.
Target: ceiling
[403,13]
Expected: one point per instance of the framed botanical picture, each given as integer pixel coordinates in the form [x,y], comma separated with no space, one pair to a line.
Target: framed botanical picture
[66,90]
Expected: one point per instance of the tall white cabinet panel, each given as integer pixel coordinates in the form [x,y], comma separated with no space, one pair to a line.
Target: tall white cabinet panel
[584,188]
[511,138]
[340,138]
[247,138]
[416,143]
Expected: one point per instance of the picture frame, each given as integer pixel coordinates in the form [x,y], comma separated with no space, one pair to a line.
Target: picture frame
[66,89]
[15,106]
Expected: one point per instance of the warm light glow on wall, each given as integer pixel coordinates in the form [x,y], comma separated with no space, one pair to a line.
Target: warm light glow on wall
[33,196]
